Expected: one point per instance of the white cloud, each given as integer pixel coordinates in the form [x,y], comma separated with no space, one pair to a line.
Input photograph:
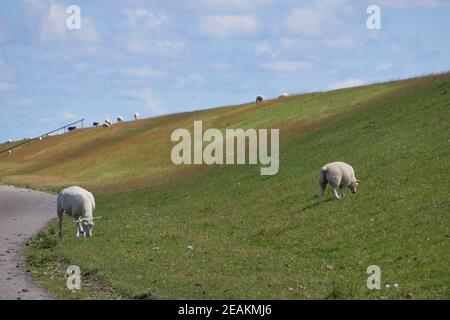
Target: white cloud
[137,46]
[81,67]
[318,17]
[49,18]
[69,116]
[168,46]
[147,97]
[5,86]
[142,72]
[348,83]
[88,33]
[188,81]
[159,47]
[340,43]
[231,5]
[286,65]
[143,18]
[305,20]
[225,26]
[266,48]
[413,3]
[54,23]
[135,72]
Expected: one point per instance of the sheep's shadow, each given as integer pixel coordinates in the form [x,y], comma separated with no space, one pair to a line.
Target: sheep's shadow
[315,202]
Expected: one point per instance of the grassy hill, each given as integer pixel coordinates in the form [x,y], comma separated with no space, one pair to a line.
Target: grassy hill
[253,236]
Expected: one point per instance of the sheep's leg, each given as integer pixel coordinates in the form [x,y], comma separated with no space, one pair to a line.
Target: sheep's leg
[82,230]
[322,189]
[336,196]
[341,192]
[322,183]
[78,229]
[60,218]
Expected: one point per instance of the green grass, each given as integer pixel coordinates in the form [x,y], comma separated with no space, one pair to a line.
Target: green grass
[137,153]
[260,237]
[49,269]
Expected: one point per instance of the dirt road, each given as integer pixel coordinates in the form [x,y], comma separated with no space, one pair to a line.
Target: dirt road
[22,214]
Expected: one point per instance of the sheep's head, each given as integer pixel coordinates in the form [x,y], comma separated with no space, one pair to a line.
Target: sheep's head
[354,186]
[87,225]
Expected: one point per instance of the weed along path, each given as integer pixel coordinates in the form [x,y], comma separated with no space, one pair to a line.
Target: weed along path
[22,214]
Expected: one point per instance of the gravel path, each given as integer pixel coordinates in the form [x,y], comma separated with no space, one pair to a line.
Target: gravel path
[22,214]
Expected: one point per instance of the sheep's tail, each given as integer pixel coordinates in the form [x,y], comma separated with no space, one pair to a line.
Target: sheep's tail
[323,178]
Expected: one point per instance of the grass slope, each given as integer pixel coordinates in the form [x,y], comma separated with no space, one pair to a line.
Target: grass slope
[265,237]
[138,153]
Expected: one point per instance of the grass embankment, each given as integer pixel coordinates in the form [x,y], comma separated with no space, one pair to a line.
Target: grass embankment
[231,233]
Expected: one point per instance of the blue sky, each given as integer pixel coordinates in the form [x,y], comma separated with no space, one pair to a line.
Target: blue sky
[159,57]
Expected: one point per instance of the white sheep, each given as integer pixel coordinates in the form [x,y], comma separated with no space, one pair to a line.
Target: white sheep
[106,125]
[284,95]
[108,122]
[120,119]
[337,174]
[9,151]
[9,141]
[136,116]
[80,204]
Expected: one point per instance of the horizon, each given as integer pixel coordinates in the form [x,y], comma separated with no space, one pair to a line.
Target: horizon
[163,58]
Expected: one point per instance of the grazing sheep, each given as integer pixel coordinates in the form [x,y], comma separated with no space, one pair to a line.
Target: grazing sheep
[120,119]
[9,151]
[72,128]
[337,174]
[136,116]
[260,99]
[106,125]
[284,95]
[95,124]
[108,122]
[40,138]
[80,204]
[9,141]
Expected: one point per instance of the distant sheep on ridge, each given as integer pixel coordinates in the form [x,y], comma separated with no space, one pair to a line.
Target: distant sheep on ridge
[260,99]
